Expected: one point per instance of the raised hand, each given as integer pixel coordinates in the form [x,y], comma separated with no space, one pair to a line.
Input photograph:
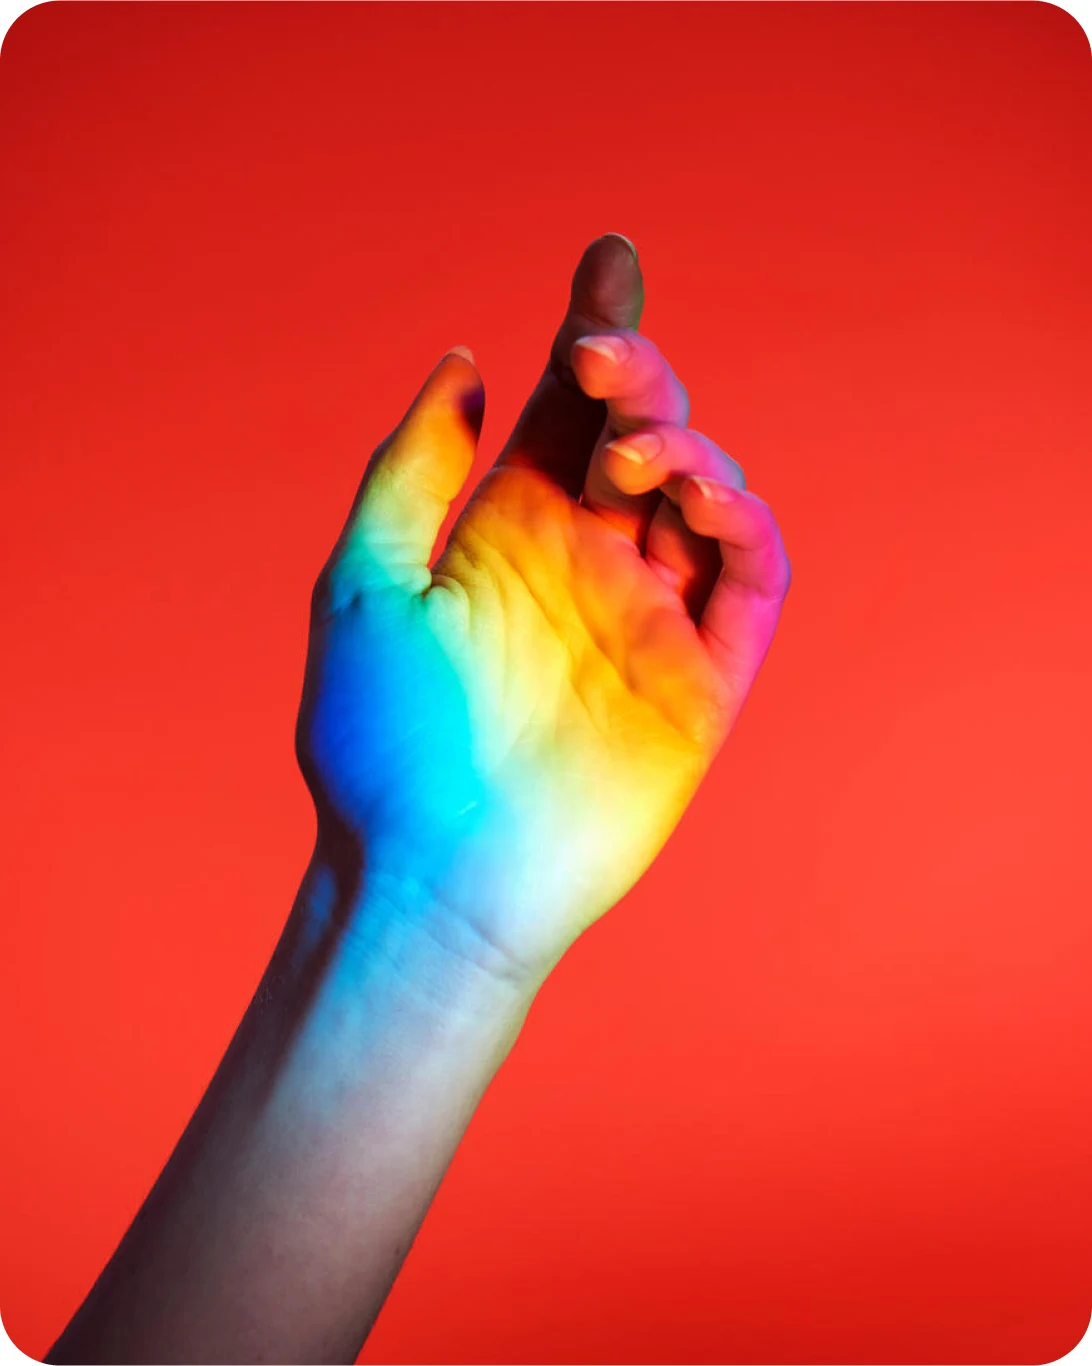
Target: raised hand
[497,747]
[503,742]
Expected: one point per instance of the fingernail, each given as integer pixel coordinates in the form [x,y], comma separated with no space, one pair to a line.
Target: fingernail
[616,349]
[711,489]
[463,351]
[641,447]
[625,239]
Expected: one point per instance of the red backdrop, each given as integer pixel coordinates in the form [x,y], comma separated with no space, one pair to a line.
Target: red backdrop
[818,1091]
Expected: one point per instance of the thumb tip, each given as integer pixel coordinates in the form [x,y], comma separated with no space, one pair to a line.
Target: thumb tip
[463,351]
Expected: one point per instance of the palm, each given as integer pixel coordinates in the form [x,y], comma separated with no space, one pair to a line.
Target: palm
[576,647]
[592,704]
[523,736]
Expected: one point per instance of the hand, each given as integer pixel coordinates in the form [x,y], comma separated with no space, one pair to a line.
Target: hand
[497,748]
[504,742]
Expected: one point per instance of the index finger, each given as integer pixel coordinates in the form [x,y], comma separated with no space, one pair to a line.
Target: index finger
[632,374]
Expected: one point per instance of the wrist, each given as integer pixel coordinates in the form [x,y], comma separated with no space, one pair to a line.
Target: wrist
[390,931]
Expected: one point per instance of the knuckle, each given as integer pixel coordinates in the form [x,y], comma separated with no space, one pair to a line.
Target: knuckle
[777,571]
[706,457]
[662,391]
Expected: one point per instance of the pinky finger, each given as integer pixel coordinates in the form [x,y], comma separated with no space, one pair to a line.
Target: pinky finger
[742,612]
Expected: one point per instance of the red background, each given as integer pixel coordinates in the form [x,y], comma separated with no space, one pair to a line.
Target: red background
[819,1091]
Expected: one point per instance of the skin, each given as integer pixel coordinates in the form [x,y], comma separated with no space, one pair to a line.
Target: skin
[497,747]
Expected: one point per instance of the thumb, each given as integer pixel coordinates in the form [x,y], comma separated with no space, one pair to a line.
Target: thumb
[411,481]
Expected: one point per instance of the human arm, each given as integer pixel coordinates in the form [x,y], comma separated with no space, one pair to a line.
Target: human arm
[284,1214]
[497,747]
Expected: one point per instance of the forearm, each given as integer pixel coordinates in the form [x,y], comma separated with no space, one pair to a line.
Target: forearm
[285,1212]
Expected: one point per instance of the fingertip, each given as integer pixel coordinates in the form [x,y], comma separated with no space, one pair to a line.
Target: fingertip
[457,373]
[599,363]
[712,491]
[590,369]
[623,238]
[471,406]
[708,505]
[454,393]
[615,350]
[456,370]
[463,351]
[707,498]
[608,285]
[631,461]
